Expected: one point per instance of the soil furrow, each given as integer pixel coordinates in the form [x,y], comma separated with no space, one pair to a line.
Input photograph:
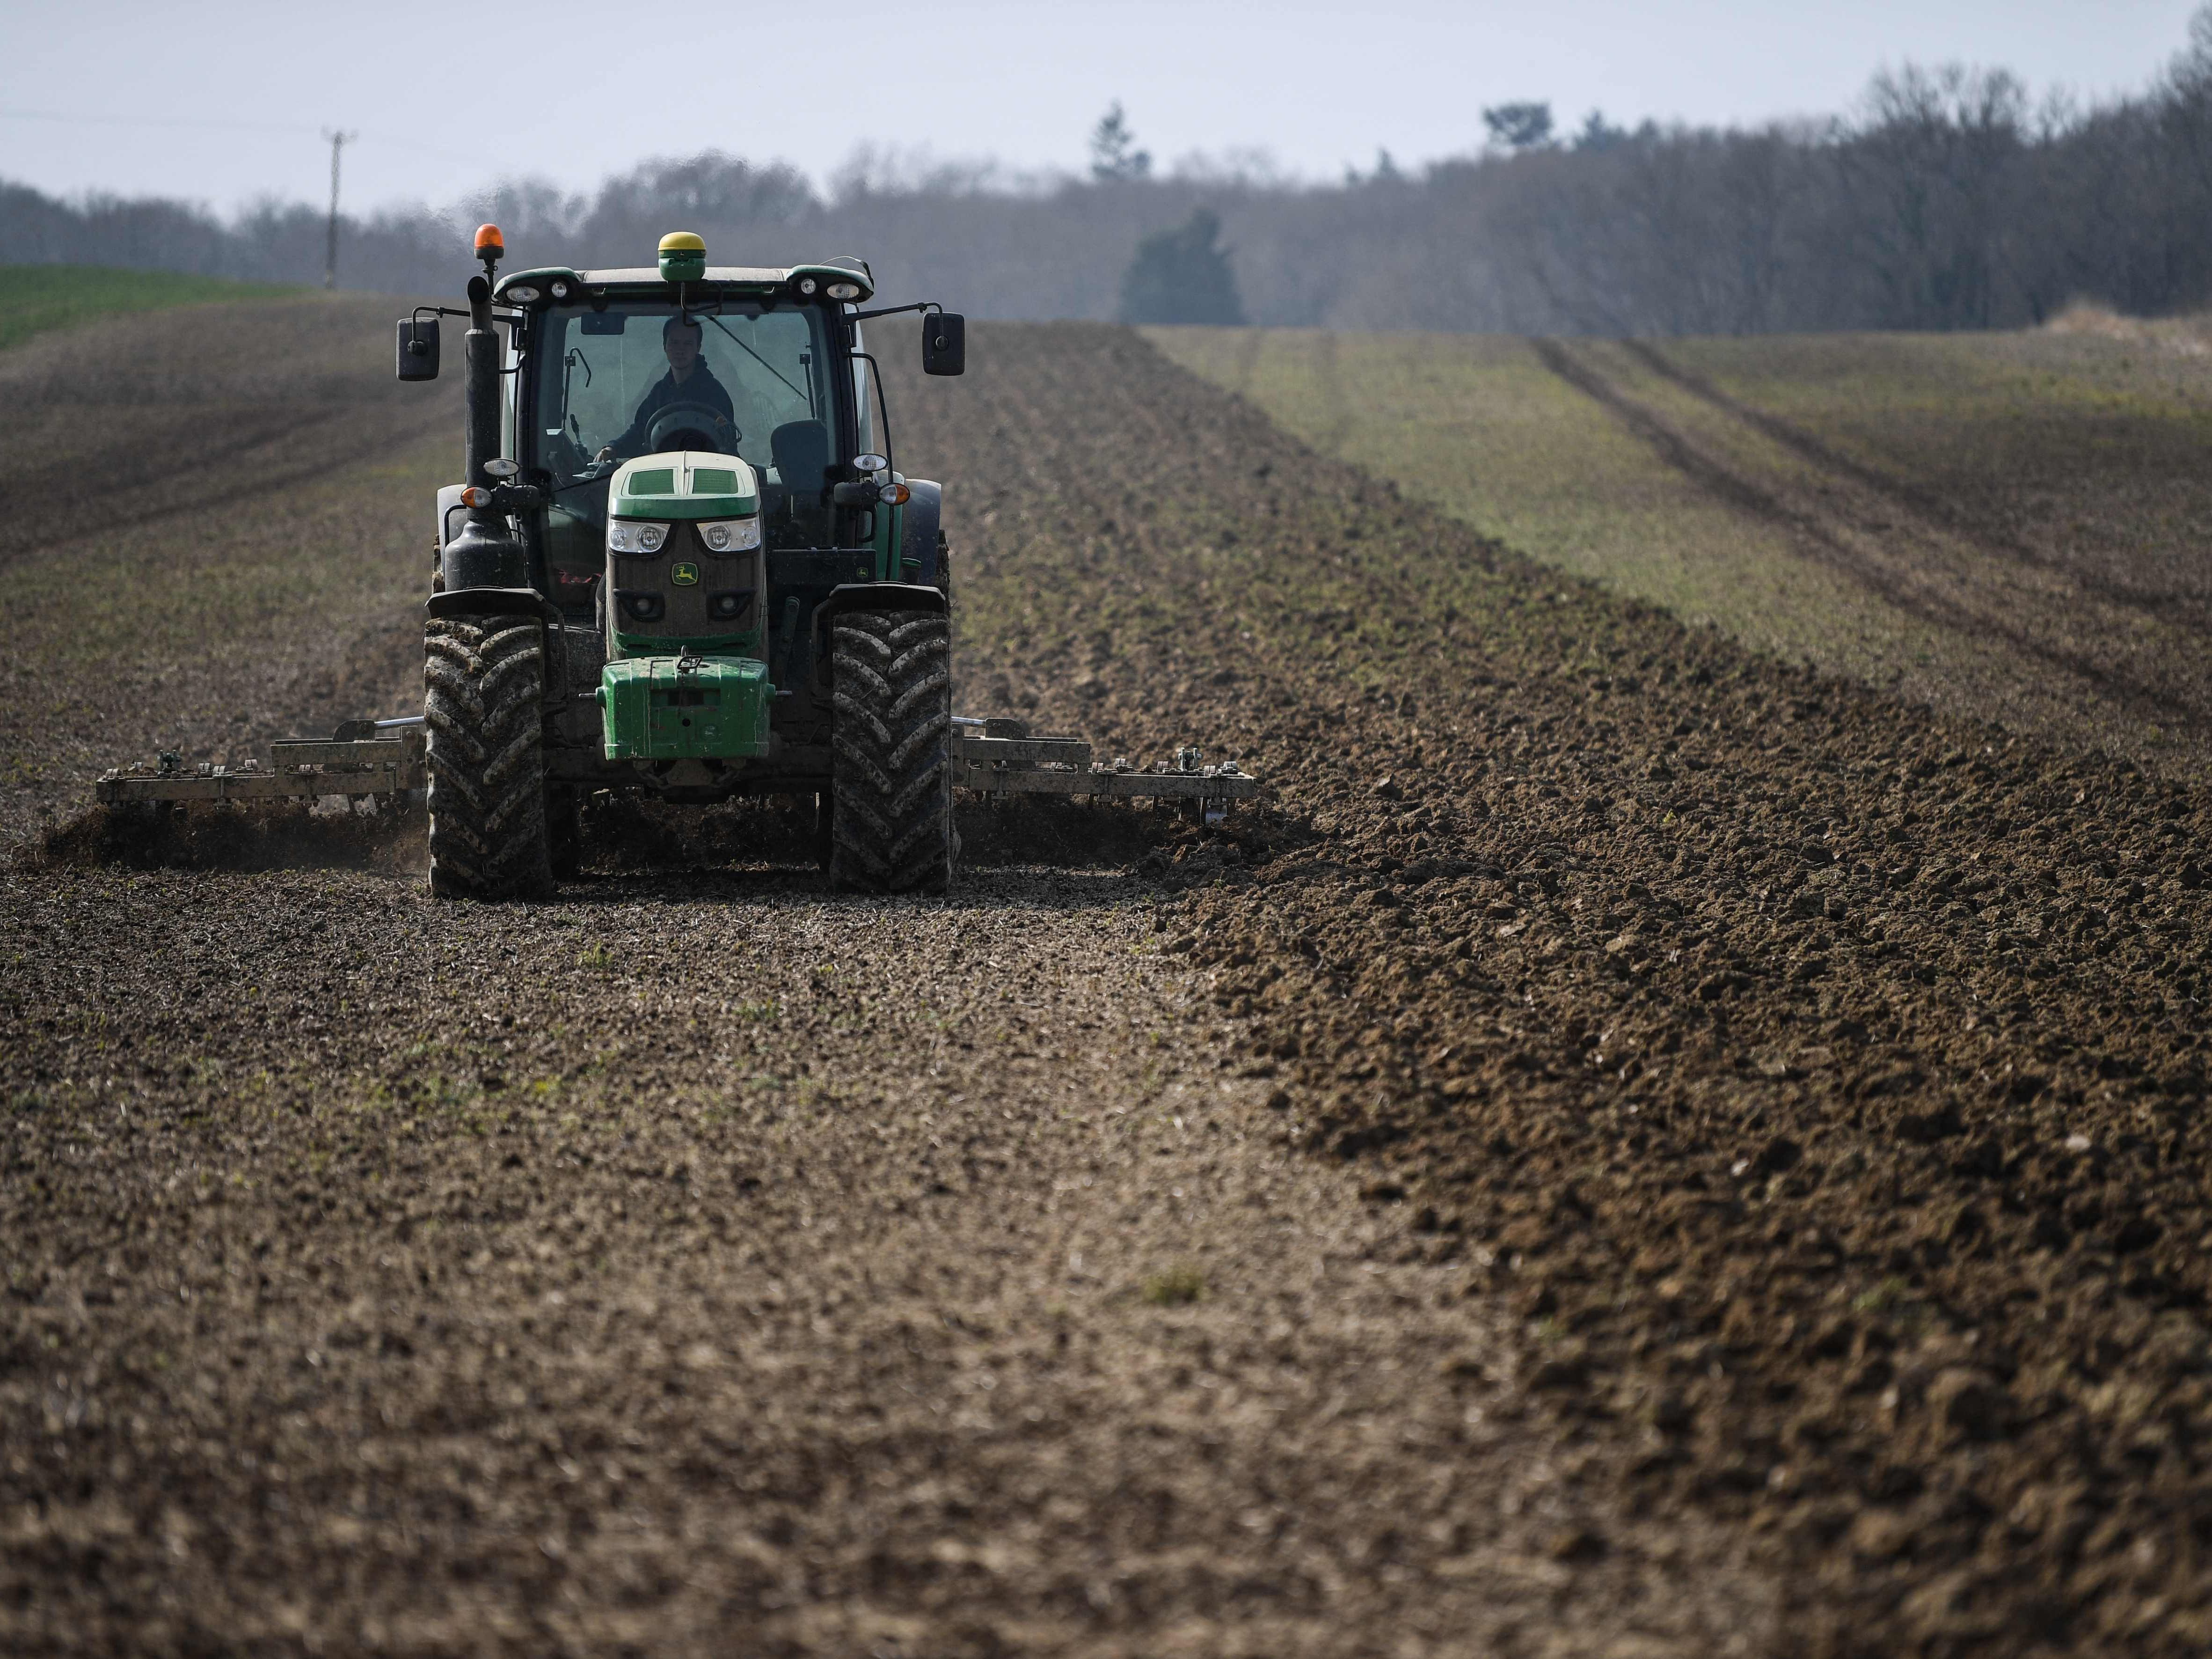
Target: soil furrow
[2182,609]
[258,469]
[129,422]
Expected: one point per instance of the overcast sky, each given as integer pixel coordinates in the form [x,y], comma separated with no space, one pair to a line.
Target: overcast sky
[571,92]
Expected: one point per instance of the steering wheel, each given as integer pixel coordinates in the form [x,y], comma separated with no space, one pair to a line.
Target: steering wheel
[702,420]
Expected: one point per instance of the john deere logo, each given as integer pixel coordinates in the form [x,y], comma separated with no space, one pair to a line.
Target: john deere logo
[685,575]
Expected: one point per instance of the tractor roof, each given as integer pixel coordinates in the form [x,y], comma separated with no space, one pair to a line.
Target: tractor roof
[642,277]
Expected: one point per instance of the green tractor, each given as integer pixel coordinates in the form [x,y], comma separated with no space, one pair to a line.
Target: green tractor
[682,562]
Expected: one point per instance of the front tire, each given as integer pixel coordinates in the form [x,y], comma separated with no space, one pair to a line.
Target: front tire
[484,689]
[891,762]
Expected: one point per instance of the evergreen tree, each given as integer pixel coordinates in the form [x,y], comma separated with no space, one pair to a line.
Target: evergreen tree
[1183,276]
[1113,153]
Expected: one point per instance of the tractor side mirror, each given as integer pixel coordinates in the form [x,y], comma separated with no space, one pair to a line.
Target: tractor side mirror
[418,348]
[944,342]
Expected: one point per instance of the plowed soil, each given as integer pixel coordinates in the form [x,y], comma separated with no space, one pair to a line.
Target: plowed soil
[212,533]
[136,418]
[1634,1149]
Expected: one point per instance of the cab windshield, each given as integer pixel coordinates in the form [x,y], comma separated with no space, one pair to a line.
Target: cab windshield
[637,380]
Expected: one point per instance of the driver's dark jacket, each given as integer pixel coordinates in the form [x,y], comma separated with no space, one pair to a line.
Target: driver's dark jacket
[702,388]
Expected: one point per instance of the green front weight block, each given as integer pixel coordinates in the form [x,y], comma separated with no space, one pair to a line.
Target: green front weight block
[684,709]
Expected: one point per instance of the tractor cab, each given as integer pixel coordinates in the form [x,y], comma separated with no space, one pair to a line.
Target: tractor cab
[765,367]
[751,379]
[589,369]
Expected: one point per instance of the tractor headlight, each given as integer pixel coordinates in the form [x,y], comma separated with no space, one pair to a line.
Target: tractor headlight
[627,535]
[730,535]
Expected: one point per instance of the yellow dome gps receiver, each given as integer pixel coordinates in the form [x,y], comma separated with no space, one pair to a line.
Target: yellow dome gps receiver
[682,256]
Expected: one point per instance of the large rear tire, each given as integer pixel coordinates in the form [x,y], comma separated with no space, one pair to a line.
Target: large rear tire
[484,691]
[891,762]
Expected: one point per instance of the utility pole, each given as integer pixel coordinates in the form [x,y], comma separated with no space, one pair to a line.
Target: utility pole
[338,141]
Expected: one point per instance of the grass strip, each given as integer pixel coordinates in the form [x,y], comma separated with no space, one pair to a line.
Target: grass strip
[38,299]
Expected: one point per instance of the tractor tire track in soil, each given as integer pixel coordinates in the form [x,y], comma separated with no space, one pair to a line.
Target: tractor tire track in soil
[1850,523]
[1939,514]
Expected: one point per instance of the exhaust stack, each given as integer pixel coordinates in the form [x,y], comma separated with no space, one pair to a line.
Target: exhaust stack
[484,554]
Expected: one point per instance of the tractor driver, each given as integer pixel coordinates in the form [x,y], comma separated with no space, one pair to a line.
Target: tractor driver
[689,381]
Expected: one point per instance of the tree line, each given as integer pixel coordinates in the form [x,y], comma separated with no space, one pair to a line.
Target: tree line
[1948,199]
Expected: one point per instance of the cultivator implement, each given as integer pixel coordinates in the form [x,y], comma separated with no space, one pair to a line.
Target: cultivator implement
[361,758]
[991,757]
[1000,758]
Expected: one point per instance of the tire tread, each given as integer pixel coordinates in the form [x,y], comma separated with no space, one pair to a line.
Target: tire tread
[482,683]
[891,758]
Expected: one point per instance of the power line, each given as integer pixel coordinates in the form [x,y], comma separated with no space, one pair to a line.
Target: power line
[68,118]
[148,121]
